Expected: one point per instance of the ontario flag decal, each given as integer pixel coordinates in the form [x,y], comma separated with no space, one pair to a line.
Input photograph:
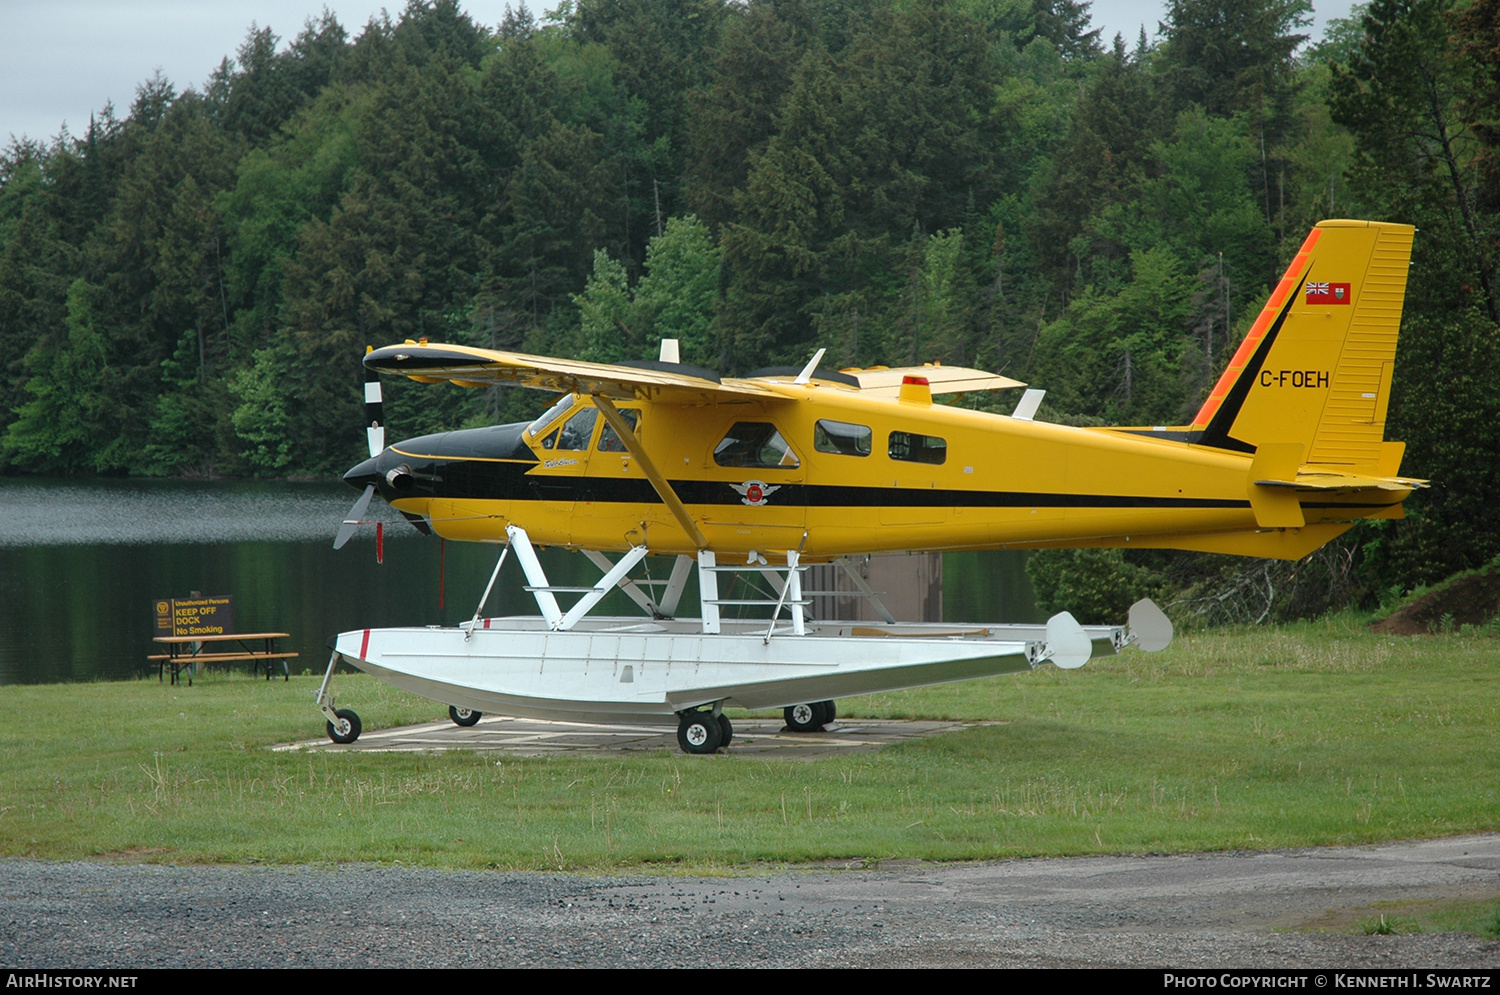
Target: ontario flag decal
[1327,293]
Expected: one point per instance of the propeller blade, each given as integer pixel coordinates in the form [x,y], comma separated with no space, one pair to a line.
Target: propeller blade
[374,410]
[356,514]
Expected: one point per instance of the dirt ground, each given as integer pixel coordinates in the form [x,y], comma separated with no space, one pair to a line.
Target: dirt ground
[1472,600]
[1289,909]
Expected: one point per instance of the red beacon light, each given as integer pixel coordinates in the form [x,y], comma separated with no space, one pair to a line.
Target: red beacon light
[915,390]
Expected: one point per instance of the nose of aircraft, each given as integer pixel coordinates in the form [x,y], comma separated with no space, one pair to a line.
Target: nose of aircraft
[364,474]
[367,476]
[389,474]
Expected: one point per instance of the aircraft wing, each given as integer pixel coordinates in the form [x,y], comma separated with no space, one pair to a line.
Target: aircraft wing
[467,366]
[941,380]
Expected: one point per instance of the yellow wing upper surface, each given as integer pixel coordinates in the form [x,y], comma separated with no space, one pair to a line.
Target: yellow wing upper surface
[468,366]
[880,382]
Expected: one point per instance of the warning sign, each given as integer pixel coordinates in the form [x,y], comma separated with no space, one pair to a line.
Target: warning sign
[186,617]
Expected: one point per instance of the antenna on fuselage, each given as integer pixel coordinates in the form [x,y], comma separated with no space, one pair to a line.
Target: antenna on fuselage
[669,351]
[812,365]
[1030,401]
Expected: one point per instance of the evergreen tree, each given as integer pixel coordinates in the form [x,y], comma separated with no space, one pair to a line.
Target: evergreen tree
[735,115]
[662,50]
[1403,96]
[675,298]
[59,428]
[1444,406]
[1101,162]
[605,312]
[1231,55]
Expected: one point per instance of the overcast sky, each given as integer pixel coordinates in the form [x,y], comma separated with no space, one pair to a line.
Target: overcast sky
[61,60]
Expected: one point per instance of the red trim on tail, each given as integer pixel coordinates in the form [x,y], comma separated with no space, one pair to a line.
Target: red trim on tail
[364,645]
[1288,284]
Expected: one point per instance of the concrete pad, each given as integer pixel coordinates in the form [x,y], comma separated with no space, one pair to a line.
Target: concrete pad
[507,736]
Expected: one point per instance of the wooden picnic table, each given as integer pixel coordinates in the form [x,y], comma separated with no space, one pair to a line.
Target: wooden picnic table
[184,652]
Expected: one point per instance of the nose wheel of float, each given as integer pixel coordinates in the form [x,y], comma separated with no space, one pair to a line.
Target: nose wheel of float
[343,724]
[344,727]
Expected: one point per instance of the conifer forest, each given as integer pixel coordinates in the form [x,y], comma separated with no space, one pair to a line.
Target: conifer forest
[187,287]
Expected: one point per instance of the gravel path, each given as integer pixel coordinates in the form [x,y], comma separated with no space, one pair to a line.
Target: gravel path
[1203,910]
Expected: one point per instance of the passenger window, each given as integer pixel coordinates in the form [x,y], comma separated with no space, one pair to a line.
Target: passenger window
[609,440]
[755,444]
[842,438]
[578,431]
[913,448]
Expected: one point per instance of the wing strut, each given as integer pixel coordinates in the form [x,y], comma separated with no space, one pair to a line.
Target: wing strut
[663,489]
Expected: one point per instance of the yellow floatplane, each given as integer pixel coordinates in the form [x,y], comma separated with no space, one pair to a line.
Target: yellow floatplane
[780,469]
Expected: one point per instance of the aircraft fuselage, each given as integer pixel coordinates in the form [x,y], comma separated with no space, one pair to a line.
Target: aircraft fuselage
[856,474]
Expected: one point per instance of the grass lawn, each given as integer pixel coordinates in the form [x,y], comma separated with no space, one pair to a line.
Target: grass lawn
[1313,734]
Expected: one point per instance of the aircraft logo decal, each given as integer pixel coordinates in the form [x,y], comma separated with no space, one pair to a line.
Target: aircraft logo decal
[1327,293]
[755,492]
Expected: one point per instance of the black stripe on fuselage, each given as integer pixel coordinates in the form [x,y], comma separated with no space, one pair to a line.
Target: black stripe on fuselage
[842,496]
[499,480]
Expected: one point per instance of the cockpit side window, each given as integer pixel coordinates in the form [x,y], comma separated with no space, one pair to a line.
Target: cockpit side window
[755,444]
[575,435]
[609,441]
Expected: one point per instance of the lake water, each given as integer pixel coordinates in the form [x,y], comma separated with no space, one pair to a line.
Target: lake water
[81,564]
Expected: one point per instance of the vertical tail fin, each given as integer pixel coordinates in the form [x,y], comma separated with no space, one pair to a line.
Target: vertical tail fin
[1315,368]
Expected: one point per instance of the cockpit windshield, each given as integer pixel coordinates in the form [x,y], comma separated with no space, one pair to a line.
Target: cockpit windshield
[551,415]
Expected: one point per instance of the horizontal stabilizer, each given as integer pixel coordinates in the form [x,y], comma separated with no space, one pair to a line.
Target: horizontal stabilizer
[1322,480]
